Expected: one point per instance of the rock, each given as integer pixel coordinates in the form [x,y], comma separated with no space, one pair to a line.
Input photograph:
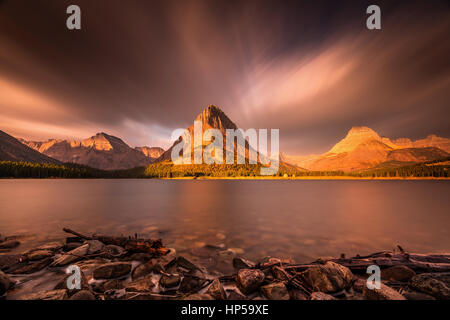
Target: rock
[216,290]
[46,295]
[297,295]
[95,246]
[414,295]
[397,273]
[83,295]
[39,255]
[27,268]
[275,291]
[113,251]
[434,284]
[71,256]
[191,284]
[9,244]
[141,270]
[197,296]
[9,260]
[112,270]
[141,285]
[71,246]
[249,280]
[62,284]
[186,264]
[5,283]
[359,285]
[235,295]
[141,257]
[321,296]
[240,263]
[329,277]
[169,281]
[114,284]
[384,293]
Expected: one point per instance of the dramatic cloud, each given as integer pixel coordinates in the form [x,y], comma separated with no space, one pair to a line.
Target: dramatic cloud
[140,69]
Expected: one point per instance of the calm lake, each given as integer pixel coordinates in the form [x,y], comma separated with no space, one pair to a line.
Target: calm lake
[291,219]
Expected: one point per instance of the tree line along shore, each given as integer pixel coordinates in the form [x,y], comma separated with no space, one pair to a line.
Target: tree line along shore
[10,169]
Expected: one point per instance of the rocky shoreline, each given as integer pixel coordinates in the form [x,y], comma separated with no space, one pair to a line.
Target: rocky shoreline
[129,268]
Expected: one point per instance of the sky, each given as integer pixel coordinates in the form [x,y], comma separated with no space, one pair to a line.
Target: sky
[140,69]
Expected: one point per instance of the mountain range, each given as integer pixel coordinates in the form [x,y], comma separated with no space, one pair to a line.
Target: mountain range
[362,148]
[102,151]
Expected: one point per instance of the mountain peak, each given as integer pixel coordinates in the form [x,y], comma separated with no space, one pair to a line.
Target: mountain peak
[103,141]
[213,117]
[355,137]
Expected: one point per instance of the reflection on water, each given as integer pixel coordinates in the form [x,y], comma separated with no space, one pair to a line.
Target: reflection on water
[292,219]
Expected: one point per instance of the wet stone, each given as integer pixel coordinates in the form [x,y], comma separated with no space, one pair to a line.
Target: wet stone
[384,293]
[5,283]
[112,270]
[233,294]
[329,277]
[275,291]
[114,284]
[46,295]
[141,285]
[83,295]
[142,270]
[216,290]
[169,281]
[434,284]
[249,280]
[321,296]
[9,244]
[95,246]
[398,273]
[191,284]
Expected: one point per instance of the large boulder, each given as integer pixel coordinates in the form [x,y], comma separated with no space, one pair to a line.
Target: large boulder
[384,293]
[398,273]
[434,284]
[329,277]
[249,280]
[95,246]
[275,291]
[112,270]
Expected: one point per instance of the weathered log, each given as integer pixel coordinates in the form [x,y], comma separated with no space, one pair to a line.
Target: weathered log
[133,245]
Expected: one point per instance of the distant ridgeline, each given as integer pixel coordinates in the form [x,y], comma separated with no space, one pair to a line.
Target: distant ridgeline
[166,169]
